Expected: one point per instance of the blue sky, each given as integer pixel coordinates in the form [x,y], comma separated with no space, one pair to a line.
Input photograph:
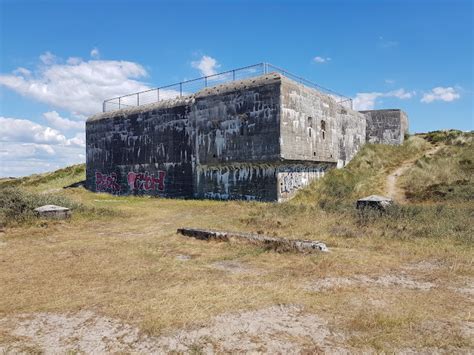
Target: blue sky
[60,59]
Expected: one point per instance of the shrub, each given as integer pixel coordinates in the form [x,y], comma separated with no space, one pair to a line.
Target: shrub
[17,205]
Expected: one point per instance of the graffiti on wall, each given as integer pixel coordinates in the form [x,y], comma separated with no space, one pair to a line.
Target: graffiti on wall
[146,181]
[106,182]
[290,181]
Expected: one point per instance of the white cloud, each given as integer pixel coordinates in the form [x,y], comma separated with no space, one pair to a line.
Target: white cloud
[78,86]
[389,81]
[55,120]
[19,159]
[367,100]
[74,60]
[79,140]
[27,147]
[25,131]
[95,54]
[48,58]
[319,59]
[206,65]
[400,94]
[441,94]
[22,71]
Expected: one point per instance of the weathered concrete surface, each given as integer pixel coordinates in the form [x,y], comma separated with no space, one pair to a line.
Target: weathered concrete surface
[280,244]
[386,126]
[374,202]
[157,149]
[256,139]
[53,211]
[316,128]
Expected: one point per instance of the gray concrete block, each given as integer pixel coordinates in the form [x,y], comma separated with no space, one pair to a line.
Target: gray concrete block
[386,126]
[53,211]
[374,202]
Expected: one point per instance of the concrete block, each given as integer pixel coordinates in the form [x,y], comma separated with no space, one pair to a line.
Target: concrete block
[53,211]
[374,202]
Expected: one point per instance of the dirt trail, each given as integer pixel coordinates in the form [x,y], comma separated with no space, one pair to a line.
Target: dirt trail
[392,188]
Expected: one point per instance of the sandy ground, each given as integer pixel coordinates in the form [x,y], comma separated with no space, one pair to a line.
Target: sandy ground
[276,329]
[392,188]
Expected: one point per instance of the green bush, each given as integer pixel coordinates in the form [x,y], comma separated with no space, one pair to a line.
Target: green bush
[17,205]
[449,137]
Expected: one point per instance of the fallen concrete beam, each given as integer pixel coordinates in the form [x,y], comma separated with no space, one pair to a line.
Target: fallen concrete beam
[278,244]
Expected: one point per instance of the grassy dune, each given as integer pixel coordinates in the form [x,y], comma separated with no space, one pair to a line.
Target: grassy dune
[392,282]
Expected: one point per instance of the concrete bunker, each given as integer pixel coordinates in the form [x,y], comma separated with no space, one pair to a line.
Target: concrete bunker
[260,138]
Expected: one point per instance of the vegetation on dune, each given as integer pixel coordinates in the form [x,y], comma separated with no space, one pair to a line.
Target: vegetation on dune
[17,205]
[448,174]
[333,197]
[363,176]
[56,179]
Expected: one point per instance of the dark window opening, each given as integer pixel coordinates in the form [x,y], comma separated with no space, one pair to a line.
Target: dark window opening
[323,128]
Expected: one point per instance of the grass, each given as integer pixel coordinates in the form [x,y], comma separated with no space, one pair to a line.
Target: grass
[364,175]
[17,206]
[124,264]
[446,176]
[49,181]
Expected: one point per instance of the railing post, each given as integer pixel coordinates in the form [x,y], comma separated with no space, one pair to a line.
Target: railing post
[119,102]
[158,94]
[233,75]
[205,81]
[265,69]
[103,106]
[180,89]
[138,99]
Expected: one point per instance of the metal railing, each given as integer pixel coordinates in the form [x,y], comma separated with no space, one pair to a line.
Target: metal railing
[189,87]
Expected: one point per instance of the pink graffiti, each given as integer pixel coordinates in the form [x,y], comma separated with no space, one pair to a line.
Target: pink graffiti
[106,182]
[146,181]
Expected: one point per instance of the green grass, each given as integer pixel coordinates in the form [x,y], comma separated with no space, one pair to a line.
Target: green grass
[364,175]
[49,181]
[448,175]
[17,206]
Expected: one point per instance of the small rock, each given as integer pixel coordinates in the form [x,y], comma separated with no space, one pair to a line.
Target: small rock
[374,202]
[183,257]
[53,211]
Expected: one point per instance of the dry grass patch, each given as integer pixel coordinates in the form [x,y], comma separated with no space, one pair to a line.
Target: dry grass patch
[126,267]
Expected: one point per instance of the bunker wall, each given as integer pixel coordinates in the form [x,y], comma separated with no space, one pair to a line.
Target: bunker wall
[237,123]
[386,126]
[156,149]
[314,127]
[145,151]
